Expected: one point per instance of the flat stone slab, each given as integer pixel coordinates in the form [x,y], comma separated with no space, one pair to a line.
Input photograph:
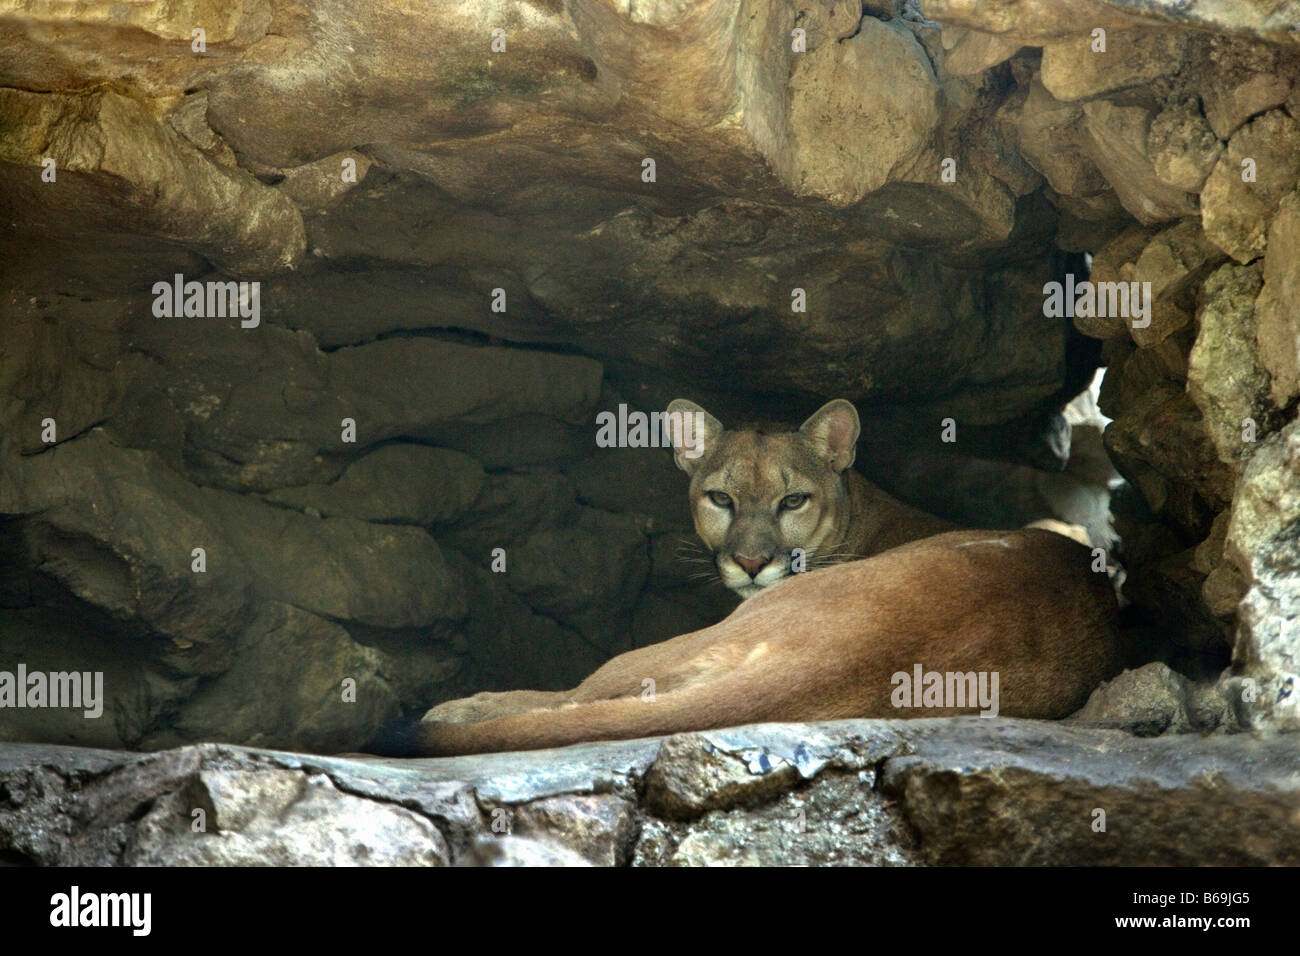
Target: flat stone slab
[940,791]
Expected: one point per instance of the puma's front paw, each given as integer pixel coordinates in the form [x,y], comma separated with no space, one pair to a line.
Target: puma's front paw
[466,710]
[488,704]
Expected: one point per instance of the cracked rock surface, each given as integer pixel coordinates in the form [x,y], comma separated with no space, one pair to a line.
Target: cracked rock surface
[967,790]
[465,253]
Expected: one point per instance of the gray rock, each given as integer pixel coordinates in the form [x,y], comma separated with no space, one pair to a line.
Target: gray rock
[398,484]
[692,776]
[388,575]
[1262,541]
[599,828]
[117,528]
[501,637]
[1023,796]
[778,168]
[598,559]
[278,817]
[1153,700]
[519,851]
[138,690]
[962,790]
[306,659]
[258,605]
[837,820]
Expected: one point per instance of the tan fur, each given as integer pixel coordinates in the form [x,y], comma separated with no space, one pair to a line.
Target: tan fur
[825,644]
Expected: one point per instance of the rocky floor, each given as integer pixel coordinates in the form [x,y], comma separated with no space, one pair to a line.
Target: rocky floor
[877,792]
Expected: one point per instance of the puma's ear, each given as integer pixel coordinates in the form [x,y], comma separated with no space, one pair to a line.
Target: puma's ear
[693,432]
[834,430]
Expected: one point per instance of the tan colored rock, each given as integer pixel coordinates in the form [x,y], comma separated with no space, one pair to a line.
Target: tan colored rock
[1224,376]
[190,119]
[1139,369]
[120,169]
[1174,262]
[1117,143]
[1277,310]
[1073,70]
[972,51]
[1182,146]
[1031,20]
[1244,78]
[1051,139]
[1223,587]
[1114,263]
[1047,19]
[220,21]
[1160,443]
[1236,214]
[322,183]
[858,109]
[1088,224]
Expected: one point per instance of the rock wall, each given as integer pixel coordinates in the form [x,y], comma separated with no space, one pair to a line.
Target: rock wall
[469,243]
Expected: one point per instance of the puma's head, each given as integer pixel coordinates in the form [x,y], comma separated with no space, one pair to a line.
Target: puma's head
[758,495]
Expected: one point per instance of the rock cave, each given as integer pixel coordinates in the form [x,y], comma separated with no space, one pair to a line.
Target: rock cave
[310,309]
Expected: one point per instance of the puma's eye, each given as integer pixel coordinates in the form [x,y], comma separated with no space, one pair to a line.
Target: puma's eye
[790,502]
[720,498]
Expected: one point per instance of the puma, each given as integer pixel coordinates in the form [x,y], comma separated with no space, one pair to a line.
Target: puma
[828,643]
[759,496]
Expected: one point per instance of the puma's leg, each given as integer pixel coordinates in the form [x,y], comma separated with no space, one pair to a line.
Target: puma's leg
[487,705]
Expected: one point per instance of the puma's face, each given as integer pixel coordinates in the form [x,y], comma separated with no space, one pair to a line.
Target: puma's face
[757,497]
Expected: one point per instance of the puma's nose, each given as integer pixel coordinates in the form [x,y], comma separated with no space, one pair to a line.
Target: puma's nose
[751,565]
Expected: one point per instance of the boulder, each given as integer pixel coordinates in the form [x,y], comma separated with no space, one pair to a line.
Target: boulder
[1225,375]
[1278,324]
[1257,170]
[1261,542]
